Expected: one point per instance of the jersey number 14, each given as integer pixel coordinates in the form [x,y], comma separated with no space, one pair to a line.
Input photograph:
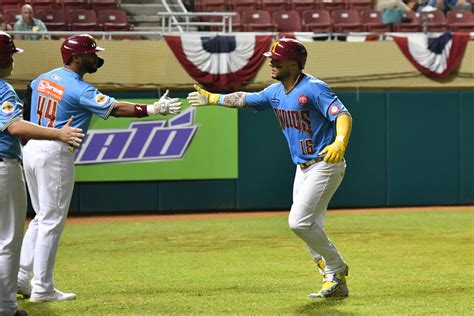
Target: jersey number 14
[47,108]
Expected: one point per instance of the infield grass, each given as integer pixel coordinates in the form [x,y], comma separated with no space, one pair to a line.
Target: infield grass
[414,263]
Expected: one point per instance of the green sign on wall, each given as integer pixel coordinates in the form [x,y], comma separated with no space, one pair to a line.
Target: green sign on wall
[200,143]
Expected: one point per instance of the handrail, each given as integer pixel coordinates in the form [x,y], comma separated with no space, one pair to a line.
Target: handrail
[170,17]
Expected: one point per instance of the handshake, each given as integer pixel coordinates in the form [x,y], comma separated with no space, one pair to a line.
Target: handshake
[165,105]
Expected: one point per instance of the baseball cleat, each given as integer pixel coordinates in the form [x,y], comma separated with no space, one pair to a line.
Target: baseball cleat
[24,288]
[21,313]
[56,295]
[335,285]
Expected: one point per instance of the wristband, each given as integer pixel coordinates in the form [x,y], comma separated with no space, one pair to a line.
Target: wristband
[141,110]
[214,98]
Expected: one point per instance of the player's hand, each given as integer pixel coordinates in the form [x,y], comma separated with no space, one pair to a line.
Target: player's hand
[71,135]
[167,105]
[334,152]
[202,97]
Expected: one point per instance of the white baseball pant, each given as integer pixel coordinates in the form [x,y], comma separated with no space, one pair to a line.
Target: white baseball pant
[49,171]
[12,218]
[312,190]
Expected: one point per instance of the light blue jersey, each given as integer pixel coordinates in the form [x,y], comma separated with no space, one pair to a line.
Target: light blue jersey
[10,111]
[307,114]
[59,94]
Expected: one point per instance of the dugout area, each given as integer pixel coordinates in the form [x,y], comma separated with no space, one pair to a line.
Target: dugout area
[412,141]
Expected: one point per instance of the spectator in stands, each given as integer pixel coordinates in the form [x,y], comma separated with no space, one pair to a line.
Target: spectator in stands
[447,5]
[27,22]
[4,25]
[392,10]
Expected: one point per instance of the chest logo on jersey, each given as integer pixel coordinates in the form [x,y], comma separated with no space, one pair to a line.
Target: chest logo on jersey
[100,99]
[302,99]
[334,110]
[300,120]
[51,89]
[7,107]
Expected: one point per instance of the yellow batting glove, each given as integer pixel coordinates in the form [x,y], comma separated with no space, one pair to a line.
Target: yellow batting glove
[334,152]
[202,97]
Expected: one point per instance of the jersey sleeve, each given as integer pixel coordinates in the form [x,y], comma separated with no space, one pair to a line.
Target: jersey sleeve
[96,102]
[259,101]
[11,110]
[328,103]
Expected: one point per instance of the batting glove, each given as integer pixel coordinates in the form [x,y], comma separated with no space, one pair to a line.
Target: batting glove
[165,105]
[202,97]
[334,152]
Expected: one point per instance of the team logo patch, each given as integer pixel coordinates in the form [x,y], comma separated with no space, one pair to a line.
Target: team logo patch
[334,110]
[7,107]
[55,77]
[100,99]
[302,99]
[51,89]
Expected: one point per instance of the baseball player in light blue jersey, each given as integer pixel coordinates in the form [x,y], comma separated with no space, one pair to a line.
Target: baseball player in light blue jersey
[12,185]
[49,166]
[317,127]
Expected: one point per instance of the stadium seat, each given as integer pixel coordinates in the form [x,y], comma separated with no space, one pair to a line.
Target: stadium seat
[436,21]
[346,21]
[114,20]
[287,21]
[243,5]
[44,4]
[11,4]
[360,5]
[54,19]
[236,23]
[273,5]
[12,15]
[83,20]
[317,21]
[98,5]
[303,5]
[372,21]
[257,21]
[332,5]
[412,26]
[461,21]
[213,5]
[68,5]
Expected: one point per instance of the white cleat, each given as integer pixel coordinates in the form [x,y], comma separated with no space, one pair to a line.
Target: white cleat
[56,295]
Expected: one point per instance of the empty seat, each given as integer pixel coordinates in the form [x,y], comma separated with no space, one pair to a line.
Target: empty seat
[303,5]
[53,19]
[257,21]
[287,21]
[273,5]
[436,20]
[243,5]
[68,5]
[213,5]
[11,4]
[44,4]
[114,20]
[409,26]
[83,20]
[360,5]
[98,5]
[317,21]
[461,21]
[372,20]
[236,23]
[12,15]
[332,5]
[346,21]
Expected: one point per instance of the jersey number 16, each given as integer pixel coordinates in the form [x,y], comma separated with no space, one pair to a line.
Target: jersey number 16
[307,147]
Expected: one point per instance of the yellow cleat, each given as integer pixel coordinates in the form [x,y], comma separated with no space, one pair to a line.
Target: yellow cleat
[335,285]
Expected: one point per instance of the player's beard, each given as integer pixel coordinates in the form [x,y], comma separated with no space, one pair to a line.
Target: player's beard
[92,67]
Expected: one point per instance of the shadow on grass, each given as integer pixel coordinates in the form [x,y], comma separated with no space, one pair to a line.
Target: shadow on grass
[323,307]
[37,309]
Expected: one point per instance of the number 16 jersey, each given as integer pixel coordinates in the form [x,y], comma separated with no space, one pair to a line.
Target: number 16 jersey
[61,93]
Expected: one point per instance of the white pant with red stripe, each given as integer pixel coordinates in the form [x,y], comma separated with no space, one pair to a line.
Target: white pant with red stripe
[12,218]
[312,190]
[49,171]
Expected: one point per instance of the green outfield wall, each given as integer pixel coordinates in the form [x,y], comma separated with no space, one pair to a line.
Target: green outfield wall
[407,148]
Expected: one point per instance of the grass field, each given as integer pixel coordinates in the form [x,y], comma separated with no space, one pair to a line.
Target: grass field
[416,263]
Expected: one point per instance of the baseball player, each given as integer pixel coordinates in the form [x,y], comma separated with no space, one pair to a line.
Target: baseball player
[12,185]
[317,127]
[49,166]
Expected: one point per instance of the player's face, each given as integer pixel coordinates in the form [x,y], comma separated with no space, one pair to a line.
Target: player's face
[281,69]
[90,62]
[6,70]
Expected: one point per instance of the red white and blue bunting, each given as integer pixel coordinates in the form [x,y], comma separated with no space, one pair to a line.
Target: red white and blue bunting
[433,56]
[220,62]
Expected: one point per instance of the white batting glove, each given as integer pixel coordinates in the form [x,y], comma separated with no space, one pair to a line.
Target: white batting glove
[165,105]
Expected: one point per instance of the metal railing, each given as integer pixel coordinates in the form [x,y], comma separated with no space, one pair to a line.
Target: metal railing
[168,20]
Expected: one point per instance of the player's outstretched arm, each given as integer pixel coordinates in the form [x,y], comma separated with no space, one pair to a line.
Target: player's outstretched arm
[202,97]
[68,134]
[163,106]
[335,152]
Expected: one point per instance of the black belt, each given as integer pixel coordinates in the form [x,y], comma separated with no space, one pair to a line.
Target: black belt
[311,162]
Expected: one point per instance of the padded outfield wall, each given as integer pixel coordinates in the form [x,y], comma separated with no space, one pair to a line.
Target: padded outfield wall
[412,143]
